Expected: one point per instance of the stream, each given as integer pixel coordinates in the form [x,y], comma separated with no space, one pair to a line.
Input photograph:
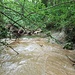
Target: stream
[37,56]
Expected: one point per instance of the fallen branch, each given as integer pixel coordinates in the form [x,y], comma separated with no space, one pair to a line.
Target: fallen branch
[7,45]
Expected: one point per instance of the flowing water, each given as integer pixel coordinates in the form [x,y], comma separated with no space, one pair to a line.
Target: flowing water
[36,56]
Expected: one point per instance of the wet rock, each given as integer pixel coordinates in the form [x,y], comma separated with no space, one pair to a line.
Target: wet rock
[36,57]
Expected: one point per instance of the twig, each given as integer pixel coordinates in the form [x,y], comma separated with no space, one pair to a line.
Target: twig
[6,44]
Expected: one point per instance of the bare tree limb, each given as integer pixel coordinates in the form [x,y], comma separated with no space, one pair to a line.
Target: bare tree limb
[11,19]
[7,45]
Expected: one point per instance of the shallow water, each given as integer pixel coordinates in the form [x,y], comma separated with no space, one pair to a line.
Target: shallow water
[36,57]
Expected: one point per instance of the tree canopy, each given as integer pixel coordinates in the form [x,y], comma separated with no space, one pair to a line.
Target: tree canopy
[34,14]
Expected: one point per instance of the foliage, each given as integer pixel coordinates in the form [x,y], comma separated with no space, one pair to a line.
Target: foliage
[3,32]
[43,14]
[68,46]
[60,15]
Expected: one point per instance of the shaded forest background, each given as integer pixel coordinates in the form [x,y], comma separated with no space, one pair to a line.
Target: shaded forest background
[31,15]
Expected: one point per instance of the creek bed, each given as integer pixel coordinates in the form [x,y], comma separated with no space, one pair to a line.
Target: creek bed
[36,56]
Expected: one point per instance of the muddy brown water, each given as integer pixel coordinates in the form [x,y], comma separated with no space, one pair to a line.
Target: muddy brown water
[36,56]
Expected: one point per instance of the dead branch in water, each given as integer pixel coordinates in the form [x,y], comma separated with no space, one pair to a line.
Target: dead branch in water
[7,45]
